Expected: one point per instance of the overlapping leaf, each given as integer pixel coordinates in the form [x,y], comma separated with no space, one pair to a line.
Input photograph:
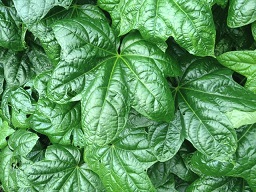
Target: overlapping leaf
[241,13]
[206,95]
[189,22]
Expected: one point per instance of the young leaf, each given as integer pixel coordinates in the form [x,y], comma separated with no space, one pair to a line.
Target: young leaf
[241,13]
[122,164]
[189,22]
[243,62]
[205,94]
[61,171]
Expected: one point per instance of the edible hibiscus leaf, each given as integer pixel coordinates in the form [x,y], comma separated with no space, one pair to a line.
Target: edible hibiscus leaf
[91,63]
[189,22]
[206,95]
[241,13]
[122,164]
[61,170]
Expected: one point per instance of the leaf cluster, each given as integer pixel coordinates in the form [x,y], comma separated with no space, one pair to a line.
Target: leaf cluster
[128,95]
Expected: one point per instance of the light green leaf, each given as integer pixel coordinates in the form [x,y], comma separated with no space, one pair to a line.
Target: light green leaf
[61,171]
[241,13]
[205,94]
[243,62]
[189,22]
[11,31]
[121,165]
[5,131]
[22,142]
[31,11]
[61,123]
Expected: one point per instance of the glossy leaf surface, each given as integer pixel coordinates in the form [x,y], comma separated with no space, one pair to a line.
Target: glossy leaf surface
[189,22]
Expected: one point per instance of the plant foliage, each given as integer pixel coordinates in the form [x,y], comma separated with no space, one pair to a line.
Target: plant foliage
[128,95]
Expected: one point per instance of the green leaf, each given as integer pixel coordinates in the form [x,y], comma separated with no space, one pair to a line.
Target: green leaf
[241,13]
[5,131]
[61,123]
[22,142]
[11,32]
[254,30]
[246,156]
[243,62]
[203,165]
[117,83]
[61,171]
[189,22]
[121,165]
[243,164]
[216,184]
[205,94]
[31,11]
[7,173]
[17,68]
[166,138]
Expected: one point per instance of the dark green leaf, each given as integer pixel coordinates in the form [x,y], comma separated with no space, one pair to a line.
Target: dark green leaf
[11,31]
